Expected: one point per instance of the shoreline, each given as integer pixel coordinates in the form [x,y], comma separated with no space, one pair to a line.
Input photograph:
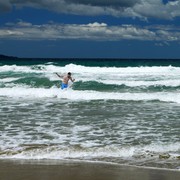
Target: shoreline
[80,170]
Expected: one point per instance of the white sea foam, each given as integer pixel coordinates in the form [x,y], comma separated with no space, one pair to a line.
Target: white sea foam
[70,94]
[92,70]
[162,148]
[73,152]
[131,76]
[15,68]
[8,79]
[136,83]
[117,70]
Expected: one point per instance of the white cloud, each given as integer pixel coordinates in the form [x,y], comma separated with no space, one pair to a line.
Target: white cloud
[156,9]
[96,24]
[93,31]
[125,8]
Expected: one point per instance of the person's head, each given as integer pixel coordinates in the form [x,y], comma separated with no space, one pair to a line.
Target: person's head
[69,74]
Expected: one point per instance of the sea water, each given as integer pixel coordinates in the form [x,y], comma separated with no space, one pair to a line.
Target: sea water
[120,111]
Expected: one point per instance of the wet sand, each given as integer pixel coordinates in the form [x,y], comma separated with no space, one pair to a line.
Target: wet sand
[67,170]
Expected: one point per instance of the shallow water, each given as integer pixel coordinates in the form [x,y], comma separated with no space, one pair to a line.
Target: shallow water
[115,114]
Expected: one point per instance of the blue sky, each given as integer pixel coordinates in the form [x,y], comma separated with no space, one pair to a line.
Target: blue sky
[90,28]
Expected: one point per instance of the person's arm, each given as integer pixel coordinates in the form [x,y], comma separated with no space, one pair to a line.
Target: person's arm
[72,79]
[59,75]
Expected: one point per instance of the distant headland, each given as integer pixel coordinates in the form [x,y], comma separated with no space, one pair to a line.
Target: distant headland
[4,57]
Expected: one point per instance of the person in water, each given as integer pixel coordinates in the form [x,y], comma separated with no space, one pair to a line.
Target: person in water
[65,80]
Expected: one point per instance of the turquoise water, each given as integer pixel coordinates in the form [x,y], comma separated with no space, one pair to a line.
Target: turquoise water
[116,111]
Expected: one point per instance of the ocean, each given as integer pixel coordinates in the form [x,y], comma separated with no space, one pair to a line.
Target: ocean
[116,111]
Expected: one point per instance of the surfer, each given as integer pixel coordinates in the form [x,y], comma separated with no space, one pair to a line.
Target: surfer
[65,80]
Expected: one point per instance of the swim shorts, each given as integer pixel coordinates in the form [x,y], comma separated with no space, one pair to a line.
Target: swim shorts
[63,86]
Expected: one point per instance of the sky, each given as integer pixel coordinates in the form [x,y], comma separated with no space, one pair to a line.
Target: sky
[90,28]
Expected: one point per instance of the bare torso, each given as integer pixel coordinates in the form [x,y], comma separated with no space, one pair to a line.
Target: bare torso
[65,79]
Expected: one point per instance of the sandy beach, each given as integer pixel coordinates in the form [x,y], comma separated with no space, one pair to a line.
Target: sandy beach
[58,170]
